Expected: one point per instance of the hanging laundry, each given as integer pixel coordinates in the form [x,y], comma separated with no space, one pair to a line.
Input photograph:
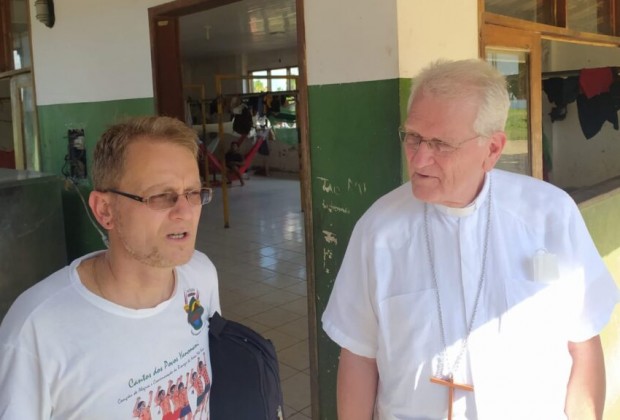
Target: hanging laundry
[561,92]
[595,81]
[595,111]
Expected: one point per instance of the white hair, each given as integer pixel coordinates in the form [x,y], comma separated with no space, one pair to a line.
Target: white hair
[467,79]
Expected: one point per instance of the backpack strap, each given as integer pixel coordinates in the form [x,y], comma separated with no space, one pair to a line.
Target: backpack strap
[216,324]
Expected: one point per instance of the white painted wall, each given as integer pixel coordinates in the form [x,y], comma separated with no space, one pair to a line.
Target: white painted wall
[433,29]
[98,50]
[578,162]
[350,41]
[385,39]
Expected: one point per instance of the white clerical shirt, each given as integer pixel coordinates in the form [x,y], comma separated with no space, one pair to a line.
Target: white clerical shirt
[384,302]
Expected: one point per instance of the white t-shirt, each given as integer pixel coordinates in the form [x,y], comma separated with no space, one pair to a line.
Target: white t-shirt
[384,305]
[66,353]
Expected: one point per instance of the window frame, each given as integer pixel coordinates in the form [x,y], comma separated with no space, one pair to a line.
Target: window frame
[269,77]
[490,26]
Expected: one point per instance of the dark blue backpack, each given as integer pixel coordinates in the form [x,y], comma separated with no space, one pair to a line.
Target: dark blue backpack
[246,377]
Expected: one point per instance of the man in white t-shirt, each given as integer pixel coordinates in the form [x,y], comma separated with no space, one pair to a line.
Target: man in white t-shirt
[479,296]
[101,337]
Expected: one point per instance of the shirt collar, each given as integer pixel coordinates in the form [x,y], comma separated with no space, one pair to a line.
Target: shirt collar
[471,207]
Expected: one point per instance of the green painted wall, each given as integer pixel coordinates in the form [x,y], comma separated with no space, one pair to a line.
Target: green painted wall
[94,117]
[355,155]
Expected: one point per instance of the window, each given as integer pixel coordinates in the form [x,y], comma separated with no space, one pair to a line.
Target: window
[588,16]
[15,46]
[572,140]
[273,80]
[530,10]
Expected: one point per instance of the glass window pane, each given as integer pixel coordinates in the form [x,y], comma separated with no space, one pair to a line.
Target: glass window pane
[20,35]
[257,84]
[589,16]
[293,71]
[29,132]
[278,84]
[514,65]
[531,10]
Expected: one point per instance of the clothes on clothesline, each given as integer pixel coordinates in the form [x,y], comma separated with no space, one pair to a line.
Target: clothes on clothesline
[561,92]
[597,92]
[594,112]
[595,81]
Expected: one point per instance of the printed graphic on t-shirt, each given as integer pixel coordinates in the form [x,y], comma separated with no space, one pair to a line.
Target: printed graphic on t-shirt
[194,310]
[177,387]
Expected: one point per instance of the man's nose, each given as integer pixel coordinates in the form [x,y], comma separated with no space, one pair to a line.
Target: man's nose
[423,156]
[182,208]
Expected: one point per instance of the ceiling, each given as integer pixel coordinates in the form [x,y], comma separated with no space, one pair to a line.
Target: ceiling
[247,26]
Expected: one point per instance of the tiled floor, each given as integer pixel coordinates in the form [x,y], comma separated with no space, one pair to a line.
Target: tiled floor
[260,260]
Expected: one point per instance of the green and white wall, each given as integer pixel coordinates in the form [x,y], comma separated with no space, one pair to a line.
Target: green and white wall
[360,62]
[90,70]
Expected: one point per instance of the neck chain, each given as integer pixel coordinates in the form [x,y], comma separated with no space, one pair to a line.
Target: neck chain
[444,356]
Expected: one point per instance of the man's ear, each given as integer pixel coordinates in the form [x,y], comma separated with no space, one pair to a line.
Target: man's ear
[101,208]
[495,147]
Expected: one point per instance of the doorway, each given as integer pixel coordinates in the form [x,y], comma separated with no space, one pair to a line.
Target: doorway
[262,254]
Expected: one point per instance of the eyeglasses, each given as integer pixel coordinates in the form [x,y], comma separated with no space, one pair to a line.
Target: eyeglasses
[414,140]
[168,200]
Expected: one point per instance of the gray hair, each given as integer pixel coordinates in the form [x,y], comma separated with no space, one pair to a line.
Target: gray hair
[465,79]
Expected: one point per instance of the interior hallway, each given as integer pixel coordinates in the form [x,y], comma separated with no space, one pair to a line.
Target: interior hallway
[260,261]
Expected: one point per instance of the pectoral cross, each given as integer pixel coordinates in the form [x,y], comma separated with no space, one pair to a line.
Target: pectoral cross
[449,382]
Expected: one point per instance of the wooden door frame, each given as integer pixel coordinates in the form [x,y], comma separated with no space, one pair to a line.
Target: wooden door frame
[178,8]
[515,39]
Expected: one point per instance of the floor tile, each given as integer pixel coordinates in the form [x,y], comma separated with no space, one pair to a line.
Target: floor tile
[281,340]
[298,305]
[282,281]
[261,264]
[299,416]
[249,308]
[278,296]
[297,328]
[275,317]
[286,371]
[300,289]
[307,411]
[296,356]
[295,390]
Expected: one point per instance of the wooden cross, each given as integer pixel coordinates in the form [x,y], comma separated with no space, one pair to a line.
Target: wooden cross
[449,382]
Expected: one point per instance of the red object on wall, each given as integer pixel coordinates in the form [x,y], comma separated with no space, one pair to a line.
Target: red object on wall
[7,159]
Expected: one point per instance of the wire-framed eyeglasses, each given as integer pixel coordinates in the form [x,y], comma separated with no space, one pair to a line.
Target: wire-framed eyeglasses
[167,200]
[413,141]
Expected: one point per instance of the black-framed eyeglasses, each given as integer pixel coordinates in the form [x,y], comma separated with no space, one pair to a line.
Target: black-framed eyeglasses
[413,141]
[167,200]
